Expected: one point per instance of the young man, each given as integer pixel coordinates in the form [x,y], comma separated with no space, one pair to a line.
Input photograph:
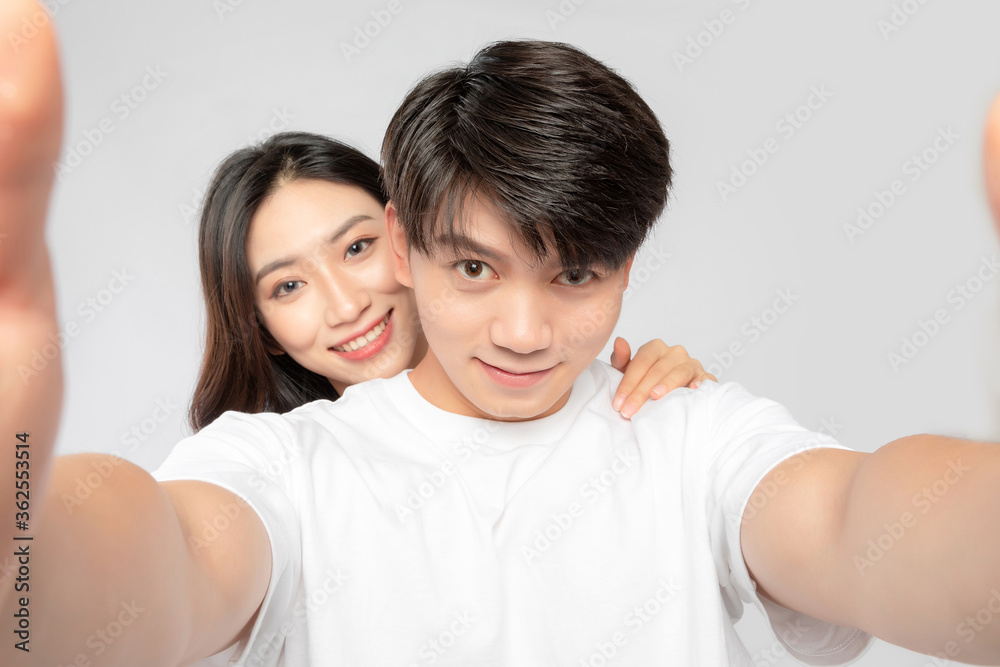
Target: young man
[490,507]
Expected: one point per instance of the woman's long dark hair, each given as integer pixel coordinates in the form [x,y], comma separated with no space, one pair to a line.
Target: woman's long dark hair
[237,371]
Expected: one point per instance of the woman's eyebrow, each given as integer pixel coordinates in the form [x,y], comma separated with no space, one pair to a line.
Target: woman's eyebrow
[348,225]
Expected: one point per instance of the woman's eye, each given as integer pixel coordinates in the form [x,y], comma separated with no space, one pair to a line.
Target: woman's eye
[286,288]
[359,247]
[473,269]
[576,277]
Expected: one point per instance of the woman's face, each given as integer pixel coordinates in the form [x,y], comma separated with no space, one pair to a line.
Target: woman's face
[324,285]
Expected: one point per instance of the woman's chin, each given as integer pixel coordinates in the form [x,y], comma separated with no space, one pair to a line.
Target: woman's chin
[384,365]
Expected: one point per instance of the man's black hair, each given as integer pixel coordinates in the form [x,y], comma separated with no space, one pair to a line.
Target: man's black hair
[560,146]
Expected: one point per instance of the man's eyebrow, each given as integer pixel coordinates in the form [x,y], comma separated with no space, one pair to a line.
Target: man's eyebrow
[345,228]
[454,243]
[457,243]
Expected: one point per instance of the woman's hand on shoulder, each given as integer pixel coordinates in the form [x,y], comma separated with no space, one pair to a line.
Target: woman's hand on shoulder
[656,370]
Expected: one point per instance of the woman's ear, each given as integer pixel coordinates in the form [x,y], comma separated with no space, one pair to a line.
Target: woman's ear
[991,159]
[400,250]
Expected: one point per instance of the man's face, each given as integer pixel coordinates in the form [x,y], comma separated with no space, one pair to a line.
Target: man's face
[508,335]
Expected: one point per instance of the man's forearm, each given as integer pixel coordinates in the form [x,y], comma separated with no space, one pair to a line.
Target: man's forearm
[105,581]
[922,531]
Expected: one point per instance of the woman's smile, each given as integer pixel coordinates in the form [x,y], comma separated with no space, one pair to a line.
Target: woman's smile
[366,345]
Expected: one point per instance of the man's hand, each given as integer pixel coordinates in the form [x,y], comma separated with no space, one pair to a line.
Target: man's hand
[30,369]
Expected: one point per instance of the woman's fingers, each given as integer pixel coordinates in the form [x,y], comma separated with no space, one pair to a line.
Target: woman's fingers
[656,370]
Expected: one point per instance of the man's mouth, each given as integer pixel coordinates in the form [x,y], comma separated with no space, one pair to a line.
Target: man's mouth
[514,379]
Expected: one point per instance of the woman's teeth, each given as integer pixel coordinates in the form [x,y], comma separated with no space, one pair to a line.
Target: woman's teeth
[361,341]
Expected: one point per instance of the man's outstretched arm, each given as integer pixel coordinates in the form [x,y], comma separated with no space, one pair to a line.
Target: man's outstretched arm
[112,578]
[30,133]
[903,543]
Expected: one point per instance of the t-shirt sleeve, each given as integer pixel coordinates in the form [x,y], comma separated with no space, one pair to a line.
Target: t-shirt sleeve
[751,436]
[248,455]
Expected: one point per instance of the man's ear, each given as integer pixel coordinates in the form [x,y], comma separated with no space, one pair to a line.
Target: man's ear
[628,270]
[400,250]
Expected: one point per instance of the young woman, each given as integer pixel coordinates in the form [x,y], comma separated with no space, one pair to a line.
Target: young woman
[300,293]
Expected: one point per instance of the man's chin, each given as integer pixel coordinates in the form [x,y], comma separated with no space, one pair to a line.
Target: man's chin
[522,409]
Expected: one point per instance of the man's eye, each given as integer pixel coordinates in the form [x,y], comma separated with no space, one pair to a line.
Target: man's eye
[576,277]
[286,288]
[359,247]
[473,269]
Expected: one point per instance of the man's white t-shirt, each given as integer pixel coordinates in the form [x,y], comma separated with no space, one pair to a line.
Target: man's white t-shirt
[405,535]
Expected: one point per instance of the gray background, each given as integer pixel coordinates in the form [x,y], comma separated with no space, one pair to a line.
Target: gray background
[235,70]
